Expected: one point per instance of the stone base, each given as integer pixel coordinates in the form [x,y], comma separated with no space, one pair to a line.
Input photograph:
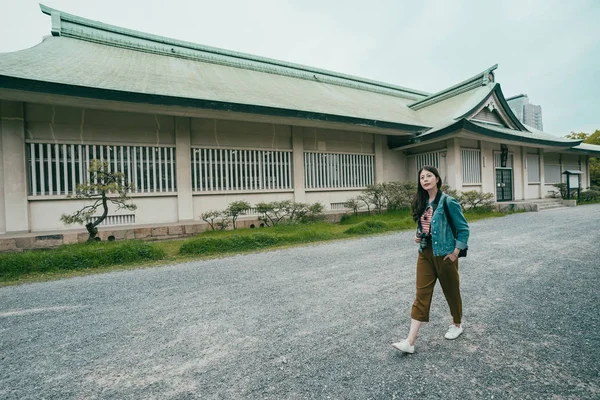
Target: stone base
[33,241]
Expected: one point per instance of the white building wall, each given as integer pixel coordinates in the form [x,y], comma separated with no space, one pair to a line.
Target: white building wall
[332,198]
[15,217]
[488,172]
[204,203]
[46,123]
[395,166]
[329,140]
[45,214]
[185,206]
[213,133]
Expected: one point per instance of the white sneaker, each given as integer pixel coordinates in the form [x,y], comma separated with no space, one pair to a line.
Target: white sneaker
[404,347]
[454,332]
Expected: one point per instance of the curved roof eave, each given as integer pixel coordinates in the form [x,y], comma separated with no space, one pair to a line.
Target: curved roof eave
[497,90]
[586,148]
[28,85]
[472,127]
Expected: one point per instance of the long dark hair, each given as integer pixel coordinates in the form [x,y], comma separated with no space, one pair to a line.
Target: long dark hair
[419,202]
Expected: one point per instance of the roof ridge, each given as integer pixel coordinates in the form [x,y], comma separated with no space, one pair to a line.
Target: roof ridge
[69,25]
[480,79]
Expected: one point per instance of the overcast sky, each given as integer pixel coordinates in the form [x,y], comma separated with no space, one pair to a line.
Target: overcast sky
[549,50]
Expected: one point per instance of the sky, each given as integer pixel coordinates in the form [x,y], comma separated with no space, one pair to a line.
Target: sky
[549,50]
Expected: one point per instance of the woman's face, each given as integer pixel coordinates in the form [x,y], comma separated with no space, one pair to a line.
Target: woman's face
[428,180]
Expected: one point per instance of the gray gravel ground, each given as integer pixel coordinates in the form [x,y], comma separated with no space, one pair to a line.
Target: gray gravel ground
[316,322]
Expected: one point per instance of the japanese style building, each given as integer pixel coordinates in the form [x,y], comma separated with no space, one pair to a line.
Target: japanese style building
[194,128]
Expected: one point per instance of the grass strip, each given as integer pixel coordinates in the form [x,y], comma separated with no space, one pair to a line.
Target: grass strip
[83,258]
[77,256]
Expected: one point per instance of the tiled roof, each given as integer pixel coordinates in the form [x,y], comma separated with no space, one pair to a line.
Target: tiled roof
[84,64]
[88,54]
[105,60]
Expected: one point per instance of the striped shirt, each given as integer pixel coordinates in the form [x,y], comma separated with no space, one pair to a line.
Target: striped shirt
[426,220]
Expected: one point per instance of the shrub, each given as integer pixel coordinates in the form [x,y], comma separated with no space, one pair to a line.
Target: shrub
[210,216]
[374,194]
[223,224]
[211,245]
[279,211]
[562,189]
[274,212]
[451,192]
[590,196]
[398,195]
[314,213]
[477,201]
[235,209]
[77,256]
[352,203]
[363,198]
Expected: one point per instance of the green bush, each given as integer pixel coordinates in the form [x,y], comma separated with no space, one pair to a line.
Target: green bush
[590,196]
[76,256]
[280,235]
[211,245]
[476,201]
[374,194]
[367,227]
[562,189]
[398,195]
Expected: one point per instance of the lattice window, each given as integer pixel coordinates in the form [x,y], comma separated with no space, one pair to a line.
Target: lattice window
[336,170]
[56,169]
[337,206]
[471,166]
[432,158]
[228,169]
[124,219]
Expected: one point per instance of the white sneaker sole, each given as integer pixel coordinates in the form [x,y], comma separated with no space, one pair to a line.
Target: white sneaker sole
[403,350]
[453,337]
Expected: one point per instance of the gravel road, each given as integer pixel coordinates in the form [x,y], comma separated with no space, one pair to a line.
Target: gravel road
[316,322]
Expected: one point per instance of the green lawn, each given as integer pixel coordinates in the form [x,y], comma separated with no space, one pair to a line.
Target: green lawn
[83,259]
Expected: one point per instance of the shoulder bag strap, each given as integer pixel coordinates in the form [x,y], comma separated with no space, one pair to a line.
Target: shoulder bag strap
[449,218]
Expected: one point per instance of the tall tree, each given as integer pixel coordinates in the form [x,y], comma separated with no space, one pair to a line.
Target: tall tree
[591,138]
[103,187]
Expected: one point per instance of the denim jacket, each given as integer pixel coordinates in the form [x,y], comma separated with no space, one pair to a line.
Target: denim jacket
[442,238]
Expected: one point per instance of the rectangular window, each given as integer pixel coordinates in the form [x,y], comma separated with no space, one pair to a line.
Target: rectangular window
[471,166]
[56,169]
[216,170]
[533,168]
[336,170]
[552,173]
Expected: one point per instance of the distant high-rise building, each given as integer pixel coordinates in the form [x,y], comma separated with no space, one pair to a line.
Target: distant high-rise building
[529,114]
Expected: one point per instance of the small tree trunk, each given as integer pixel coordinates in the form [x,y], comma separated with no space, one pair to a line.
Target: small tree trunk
[91,226]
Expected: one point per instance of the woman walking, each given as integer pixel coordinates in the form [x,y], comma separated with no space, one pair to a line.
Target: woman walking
[439,248]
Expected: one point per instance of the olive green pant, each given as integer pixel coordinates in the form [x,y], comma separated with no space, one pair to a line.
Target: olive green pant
[429,270]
